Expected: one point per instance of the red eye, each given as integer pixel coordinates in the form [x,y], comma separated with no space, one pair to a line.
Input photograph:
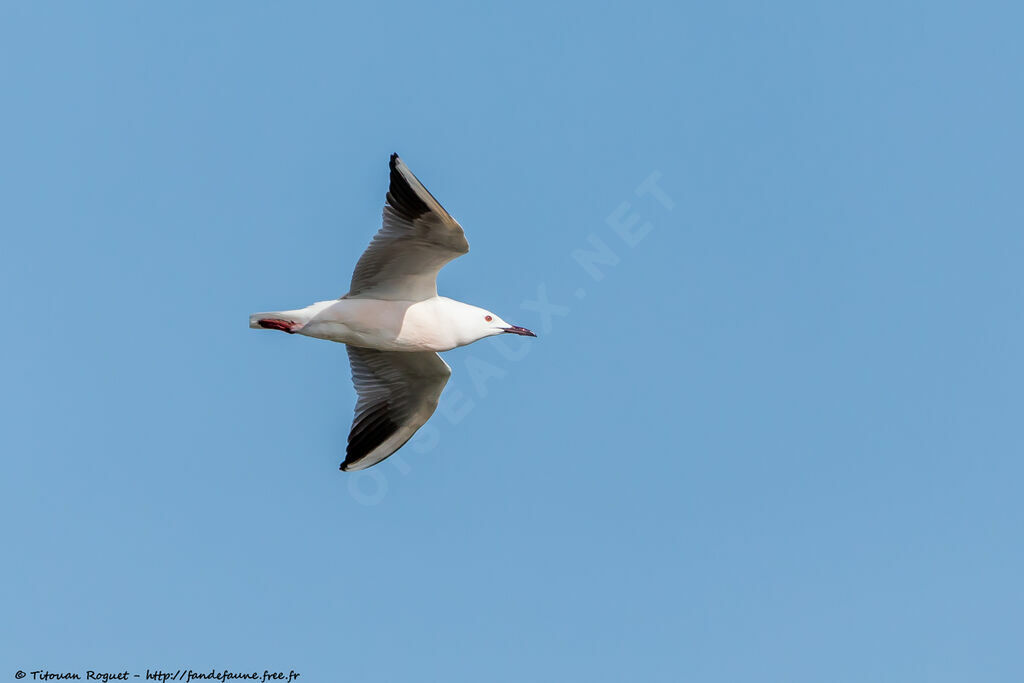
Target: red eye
[488,318]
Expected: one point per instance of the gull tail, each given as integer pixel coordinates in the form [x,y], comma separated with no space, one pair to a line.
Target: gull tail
[286,321]
[255,318]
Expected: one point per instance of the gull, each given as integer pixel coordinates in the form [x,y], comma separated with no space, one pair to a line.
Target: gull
[394,323]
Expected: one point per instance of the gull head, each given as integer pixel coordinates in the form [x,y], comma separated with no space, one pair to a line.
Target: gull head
[476,323]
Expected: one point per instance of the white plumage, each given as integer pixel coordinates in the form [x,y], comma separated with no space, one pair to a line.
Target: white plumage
[393,321]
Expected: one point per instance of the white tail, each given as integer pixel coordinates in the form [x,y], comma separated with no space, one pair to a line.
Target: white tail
[254,319]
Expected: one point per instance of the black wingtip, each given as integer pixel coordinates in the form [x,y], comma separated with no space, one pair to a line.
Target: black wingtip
[401,196]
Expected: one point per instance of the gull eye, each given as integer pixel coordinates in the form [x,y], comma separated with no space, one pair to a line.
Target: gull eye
[488,318]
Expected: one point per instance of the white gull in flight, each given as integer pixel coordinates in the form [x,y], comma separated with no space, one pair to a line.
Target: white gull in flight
[393,321]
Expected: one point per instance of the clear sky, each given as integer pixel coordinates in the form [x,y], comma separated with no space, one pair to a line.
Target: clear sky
[770,429]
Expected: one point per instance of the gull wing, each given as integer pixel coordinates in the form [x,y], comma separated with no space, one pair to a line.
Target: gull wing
[398,392]
[417,239]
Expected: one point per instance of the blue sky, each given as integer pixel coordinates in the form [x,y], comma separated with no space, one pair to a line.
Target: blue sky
[778,440]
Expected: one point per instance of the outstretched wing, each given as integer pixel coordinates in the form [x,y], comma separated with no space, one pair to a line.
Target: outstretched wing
[398,392]
[418,237]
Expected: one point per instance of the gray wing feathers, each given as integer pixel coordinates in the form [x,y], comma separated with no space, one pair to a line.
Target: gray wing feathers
[398,392]
[417,239]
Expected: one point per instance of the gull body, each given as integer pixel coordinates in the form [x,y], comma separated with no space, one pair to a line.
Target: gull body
[435,324]
[394,322]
